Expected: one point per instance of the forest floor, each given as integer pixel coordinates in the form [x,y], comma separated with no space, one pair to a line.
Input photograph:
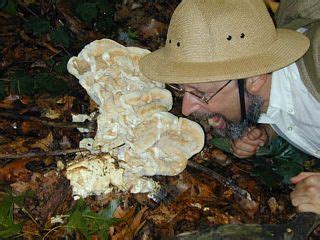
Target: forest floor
[37,136]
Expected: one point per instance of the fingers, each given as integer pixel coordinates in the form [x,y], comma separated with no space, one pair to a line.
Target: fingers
[243,150]
[249,144]
[306,196]
[302,176]
[258,135]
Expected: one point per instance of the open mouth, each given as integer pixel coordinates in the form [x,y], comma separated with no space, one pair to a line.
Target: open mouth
[217,122]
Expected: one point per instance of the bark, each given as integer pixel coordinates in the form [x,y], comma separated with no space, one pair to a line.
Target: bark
[298,229]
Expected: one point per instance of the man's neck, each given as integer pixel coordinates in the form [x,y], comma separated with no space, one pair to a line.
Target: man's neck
[265,93]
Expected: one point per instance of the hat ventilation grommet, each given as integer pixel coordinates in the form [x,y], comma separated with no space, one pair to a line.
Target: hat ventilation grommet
[229,38]
[242,35]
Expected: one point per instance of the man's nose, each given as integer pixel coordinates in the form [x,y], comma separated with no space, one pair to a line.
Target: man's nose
[190,104]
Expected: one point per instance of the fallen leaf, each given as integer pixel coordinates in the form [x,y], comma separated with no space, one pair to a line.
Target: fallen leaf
[15,171]
[250,207]
[220,158]
[153,28]
[273,205]
[44,143]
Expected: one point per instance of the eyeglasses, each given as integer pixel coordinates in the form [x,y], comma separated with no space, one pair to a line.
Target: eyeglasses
[205,97]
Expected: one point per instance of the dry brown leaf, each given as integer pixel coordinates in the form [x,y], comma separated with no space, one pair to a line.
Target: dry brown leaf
[121,213]
[153,28]
[17,147]
[163,215]
[15,171]
[67,101]
[273,205]
[8,101]
[53,113]
[220,157]
[132,223]
[250,207]
[136,223]
[44,143]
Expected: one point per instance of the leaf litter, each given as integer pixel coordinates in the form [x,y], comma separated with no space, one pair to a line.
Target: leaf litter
[38,37]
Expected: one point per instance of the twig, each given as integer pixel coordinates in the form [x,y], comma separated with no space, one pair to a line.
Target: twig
[28,9]
[8,34]
[40,154]
[243,194]
[87,124]
[5,79]
[53,229]
[30,216]
[26,38]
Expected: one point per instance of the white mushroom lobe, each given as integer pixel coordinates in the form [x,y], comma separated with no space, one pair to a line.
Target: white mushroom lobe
[134,127]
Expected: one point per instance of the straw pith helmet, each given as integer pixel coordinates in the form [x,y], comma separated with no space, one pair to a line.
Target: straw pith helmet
[214,40]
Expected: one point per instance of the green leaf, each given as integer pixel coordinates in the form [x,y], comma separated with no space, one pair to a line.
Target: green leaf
[2,90]
[3,3]
[10,7]
[87,222]
[8,228]
[103,234]
[87,11]
[53,85]
[61,67]
[104,25]
[11,230]
[288,170]
[19,200]
[22,83]
[60,37]
[5,187]
[109,211]
[266,175]
[76,222]
[6,214]
[50,62]
[222,143]
[37,26]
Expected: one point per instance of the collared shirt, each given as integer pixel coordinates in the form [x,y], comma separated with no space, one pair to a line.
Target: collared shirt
[293,112]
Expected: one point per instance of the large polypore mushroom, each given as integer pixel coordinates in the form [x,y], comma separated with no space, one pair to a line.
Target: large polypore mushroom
[134,125]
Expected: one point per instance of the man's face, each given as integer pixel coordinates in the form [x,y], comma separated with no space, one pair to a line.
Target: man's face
[222,113]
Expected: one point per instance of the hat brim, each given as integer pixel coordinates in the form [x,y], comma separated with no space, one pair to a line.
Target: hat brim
[288,48]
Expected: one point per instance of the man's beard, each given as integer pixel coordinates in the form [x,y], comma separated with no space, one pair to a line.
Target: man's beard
[233,130]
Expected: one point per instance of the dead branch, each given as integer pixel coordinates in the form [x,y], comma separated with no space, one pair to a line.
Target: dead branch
[298,229]
[40,154]
[88,125]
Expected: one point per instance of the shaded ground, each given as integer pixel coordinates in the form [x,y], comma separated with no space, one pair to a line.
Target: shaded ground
[39,96]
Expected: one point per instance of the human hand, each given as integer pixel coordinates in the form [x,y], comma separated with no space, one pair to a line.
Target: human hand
[306,196]
[249,143]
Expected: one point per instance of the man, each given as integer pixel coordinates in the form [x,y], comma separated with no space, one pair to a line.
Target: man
[222,52]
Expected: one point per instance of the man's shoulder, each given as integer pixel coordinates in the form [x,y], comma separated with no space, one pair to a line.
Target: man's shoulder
[309,64]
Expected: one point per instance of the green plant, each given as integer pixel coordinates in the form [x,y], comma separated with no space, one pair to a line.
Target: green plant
[8,226]
[82,220]
[274,164]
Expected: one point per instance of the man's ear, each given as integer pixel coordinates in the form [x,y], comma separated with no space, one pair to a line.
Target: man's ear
[254,84]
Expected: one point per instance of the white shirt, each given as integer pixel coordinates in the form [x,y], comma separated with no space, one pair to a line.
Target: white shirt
[293,112]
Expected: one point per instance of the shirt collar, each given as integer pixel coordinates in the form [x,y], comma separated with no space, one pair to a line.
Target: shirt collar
[281,95]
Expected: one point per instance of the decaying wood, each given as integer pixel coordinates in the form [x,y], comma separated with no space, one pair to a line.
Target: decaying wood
[55,199]
[298,229]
